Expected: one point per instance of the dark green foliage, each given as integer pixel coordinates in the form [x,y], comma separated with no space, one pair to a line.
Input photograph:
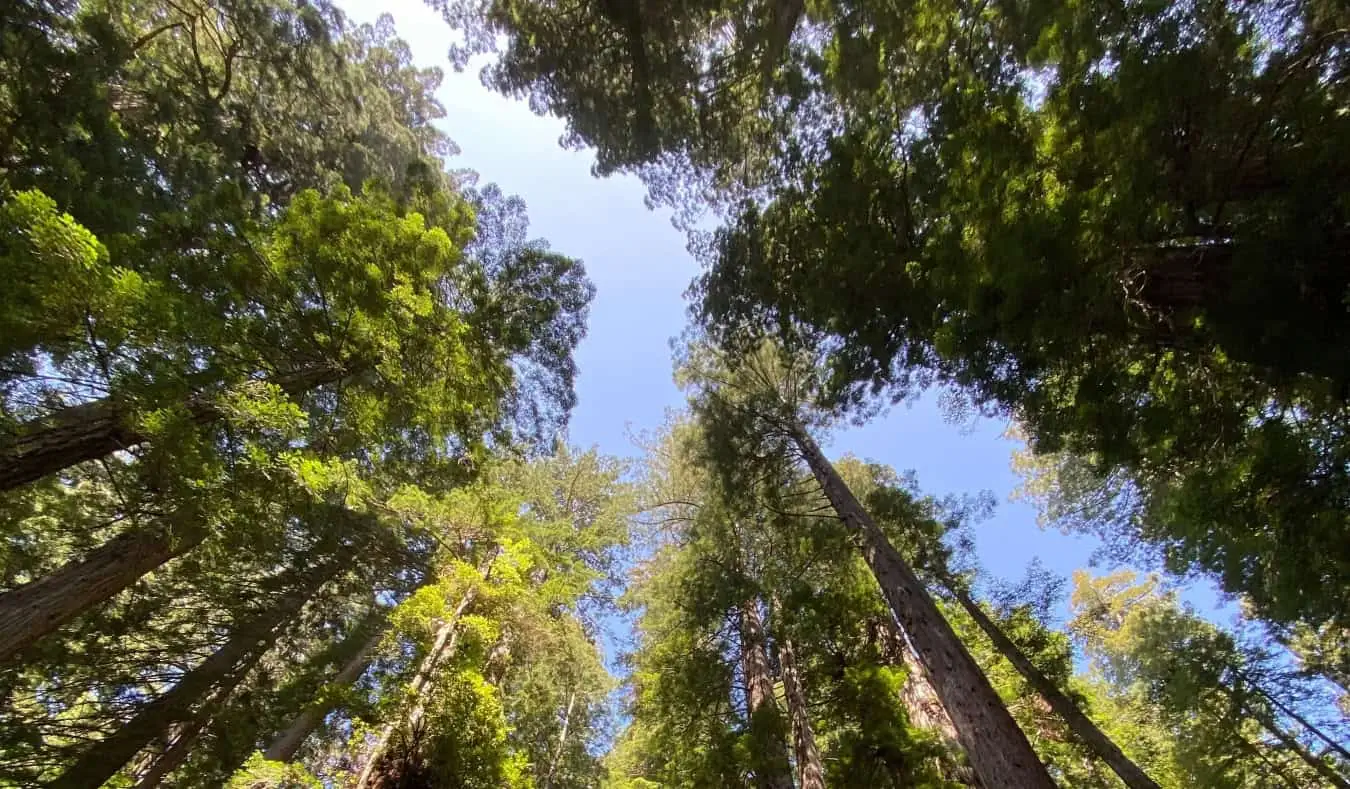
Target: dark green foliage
[1123,225]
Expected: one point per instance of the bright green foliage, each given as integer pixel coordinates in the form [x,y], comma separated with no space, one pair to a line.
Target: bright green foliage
[59,279]
[519,698]
[1198,704]
[284,339]
[257,771]
[466,740]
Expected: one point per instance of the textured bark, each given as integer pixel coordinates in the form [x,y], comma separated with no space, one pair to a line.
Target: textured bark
[498,661]
[924,708]
[447,638]
[35,609]
[93,430]
[810,773]
[183,740]
[173,757]
[1079,723]
[220,672]
[70,436]
[369,633]
[759,697]
[1177,279]
[998,750]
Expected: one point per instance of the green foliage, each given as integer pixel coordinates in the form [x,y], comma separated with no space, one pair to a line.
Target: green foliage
[1122,226]
[259,773]
[1161,668]
[464,741]
[275,335]
[725,540]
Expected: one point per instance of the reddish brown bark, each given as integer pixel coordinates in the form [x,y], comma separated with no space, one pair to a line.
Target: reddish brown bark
[93,430]
[810,773]
[1079,723]
[776,772]
[39,607]
[998,750]
[924,708]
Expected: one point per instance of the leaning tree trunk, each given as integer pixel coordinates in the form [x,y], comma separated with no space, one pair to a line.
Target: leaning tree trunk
[924,708]
[776,770]
[180,747]
[810,773]
[224,669]
[39,607]
[1290,742]
[93,430]
[369,634]
[997,748]
[173,757]
[561,750]
[447,639]
[1302,721]
[1079,723]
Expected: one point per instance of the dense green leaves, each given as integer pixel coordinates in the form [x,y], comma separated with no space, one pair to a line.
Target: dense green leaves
[264,361]
[278,394]
[1122,225]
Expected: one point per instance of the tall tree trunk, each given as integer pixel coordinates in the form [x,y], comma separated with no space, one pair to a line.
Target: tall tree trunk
[367,635]
[1290,742]
[180,747]
[924,708]
[810,773]
[97,429]
[224,669]
[39,607]
[776,770]
[447,638]
[1079,723]
[173,757]
[1302,721]
[562,741]
[498,661]
[997,748]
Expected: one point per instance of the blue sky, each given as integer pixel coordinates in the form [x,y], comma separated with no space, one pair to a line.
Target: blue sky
[640,268]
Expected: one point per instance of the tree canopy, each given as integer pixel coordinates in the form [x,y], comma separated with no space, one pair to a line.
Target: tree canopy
[287,497]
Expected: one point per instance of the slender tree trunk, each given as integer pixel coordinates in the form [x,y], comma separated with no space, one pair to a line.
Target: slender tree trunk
[180,747]
[1302,721]
[924,707]
[287,744]
[97,429]
[1289,741]
[1079,723]
[562,741]
[173,756]
[447,637]
[221,671]
[997,748]
[39,607]
[810,773]
[1260,755]
[776,771]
